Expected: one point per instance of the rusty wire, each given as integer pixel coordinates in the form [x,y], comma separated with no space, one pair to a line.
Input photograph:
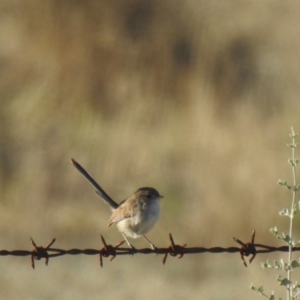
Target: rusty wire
[109,251]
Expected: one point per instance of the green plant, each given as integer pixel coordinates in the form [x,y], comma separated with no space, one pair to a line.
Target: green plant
[292,288]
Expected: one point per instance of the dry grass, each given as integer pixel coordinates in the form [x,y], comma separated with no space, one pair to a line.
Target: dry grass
[195,100]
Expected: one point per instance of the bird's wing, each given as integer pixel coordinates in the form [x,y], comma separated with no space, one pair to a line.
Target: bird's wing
[124,211]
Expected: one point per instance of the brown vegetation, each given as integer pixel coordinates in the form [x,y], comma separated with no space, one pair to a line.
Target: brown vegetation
[194,98]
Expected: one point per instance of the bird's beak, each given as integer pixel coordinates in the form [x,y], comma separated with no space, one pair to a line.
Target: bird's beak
[160,197]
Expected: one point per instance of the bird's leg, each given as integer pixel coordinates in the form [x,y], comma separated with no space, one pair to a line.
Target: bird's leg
[152,245]
[132,248]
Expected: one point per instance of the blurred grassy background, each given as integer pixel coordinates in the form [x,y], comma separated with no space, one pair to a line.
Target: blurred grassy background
[195,99]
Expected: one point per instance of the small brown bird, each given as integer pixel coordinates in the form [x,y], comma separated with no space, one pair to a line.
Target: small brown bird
[134,216]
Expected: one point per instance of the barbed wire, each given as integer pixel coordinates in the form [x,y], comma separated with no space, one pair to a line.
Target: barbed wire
[109,251]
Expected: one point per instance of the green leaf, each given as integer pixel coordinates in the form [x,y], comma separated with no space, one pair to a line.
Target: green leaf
[266,265]
[260,289]
[294,264]
[282,182]
[286,238]
[283,281]
[296,287]
[274,230]
[293,162]
[284,212]
[293,145]
[278,265]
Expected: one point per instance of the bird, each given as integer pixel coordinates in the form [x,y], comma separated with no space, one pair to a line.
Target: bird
[134,216]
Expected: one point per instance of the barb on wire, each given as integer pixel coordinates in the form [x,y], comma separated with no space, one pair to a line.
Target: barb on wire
[40,252]
[108,250]
[174,250]
[247,249]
